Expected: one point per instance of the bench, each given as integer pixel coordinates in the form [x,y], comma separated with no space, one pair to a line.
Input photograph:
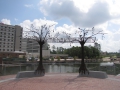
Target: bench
[27,74]
[95,74]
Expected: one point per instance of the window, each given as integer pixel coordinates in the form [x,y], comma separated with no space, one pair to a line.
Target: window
[7,49]
[3,49]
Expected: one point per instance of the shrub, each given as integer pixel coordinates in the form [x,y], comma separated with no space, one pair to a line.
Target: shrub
[52,59]
[58,58]
[75,57]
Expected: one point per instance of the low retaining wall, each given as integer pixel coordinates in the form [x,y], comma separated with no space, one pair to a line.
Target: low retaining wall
[27,74]
[95,74]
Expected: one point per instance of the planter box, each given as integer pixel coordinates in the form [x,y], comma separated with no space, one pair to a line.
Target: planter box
[27,74]
[95,74]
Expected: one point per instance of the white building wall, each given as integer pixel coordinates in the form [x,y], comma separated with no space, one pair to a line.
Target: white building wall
[46,53]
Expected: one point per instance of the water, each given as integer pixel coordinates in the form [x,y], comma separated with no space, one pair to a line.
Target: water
[57,68]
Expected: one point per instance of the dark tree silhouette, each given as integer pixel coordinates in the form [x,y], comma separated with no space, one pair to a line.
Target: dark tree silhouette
[40,35]
[84,37]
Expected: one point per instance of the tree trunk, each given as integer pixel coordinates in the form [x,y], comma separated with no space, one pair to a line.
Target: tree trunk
[83,68]
[40,70]
[82,49]
[40,62]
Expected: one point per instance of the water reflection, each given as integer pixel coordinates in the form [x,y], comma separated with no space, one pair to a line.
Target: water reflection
[53,68]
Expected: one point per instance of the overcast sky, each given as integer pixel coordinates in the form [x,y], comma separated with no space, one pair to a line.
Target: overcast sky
[67,15]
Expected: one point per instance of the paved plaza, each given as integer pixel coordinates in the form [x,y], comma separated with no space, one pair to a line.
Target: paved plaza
[68,81]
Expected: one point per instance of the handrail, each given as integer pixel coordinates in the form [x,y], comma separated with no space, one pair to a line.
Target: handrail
[7,69]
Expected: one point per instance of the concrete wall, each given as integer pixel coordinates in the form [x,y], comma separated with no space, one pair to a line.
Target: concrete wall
[18,38]
[46,53]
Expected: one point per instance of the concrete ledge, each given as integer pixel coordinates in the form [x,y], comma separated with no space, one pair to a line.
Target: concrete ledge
[95,74]
[118,75]
[27,74]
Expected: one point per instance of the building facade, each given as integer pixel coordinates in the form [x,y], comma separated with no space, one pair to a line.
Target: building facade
[119,51]
[32,48]
[10,38]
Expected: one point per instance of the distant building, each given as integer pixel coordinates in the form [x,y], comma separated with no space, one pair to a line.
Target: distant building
[97,46]
[119,51]
[14,54]
[89,46]
[32,48]
[10,38]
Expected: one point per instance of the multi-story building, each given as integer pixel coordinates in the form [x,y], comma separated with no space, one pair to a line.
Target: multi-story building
[32,48]
[119,51]
[10,38]
[96,45]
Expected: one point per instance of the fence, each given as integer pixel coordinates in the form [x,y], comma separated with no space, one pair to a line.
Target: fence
[9,69]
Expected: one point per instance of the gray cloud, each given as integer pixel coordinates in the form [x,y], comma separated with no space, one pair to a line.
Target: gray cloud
[97,14]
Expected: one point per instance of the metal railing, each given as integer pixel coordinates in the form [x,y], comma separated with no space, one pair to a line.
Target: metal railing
[9,69]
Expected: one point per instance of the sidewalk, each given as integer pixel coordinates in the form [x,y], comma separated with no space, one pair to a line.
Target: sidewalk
[68,81]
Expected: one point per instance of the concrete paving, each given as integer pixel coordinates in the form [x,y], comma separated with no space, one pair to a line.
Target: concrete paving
[68,81]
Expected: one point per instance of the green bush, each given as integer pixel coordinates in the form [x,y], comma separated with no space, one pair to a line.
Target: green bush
[58,58]
[52,59]
[75,57]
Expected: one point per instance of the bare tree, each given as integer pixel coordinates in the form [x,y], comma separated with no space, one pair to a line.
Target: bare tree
[84,36]
[41,35]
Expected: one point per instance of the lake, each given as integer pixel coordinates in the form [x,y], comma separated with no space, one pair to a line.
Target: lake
[57,68]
